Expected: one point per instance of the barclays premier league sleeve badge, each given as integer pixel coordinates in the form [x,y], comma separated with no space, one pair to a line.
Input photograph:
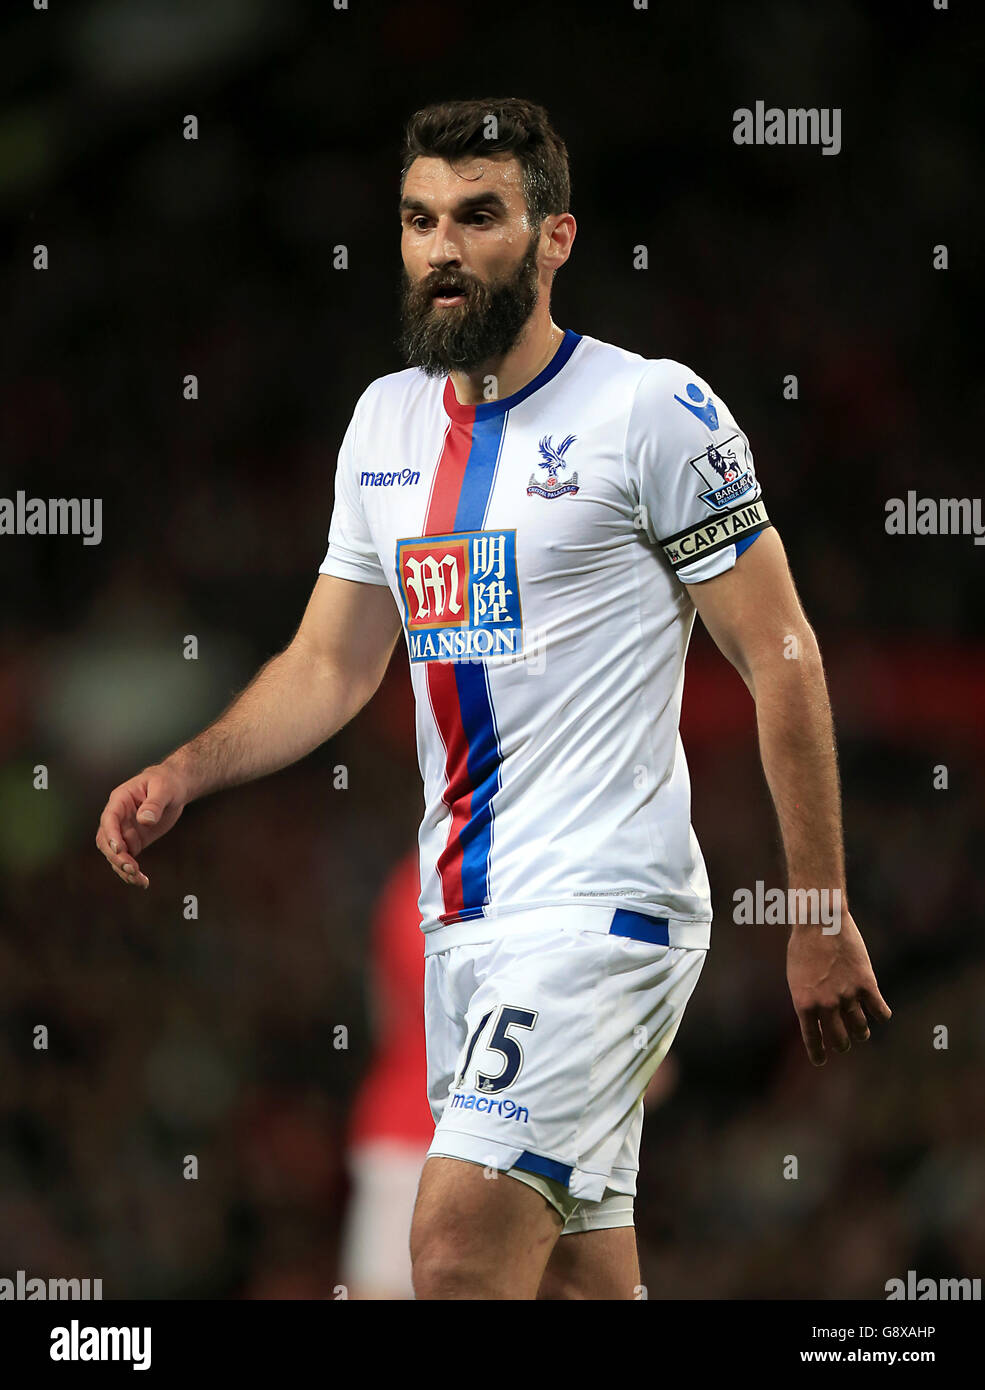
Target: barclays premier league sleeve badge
[726,476]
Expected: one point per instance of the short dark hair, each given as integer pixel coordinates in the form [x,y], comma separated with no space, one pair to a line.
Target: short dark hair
[456,129]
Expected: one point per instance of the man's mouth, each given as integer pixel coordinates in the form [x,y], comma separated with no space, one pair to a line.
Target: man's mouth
[447,295]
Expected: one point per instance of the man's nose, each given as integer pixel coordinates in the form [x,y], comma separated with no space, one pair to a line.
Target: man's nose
[445,250]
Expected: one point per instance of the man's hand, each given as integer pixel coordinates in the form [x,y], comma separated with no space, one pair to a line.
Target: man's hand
[137,813]
[832,984]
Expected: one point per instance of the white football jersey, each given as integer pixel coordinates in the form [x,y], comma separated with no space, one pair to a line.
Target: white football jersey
[535,547]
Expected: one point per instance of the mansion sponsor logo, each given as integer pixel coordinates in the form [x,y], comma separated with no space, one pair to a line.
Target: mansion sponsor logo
[75,1343]
[770,907]
[465,644]
[52,516]
[28,1289]
[461,595]
[935,516]
[797,125]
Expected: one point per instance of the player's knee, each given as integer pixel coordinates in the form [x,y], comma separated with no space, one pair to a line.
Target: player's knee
[558,1286]
[442,1268]
[591,1284]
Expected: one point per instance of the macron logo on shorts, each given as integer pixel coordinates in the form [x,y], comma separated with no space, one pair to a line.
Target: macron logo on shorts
[507,1108]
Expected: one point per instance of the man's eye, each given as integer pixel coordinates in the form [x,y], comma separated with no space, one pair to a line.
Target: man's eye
[477,215]
[419,223]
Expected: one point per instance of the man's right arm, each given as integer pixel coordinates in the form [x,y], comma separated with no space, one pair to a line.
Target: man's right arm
[301,697]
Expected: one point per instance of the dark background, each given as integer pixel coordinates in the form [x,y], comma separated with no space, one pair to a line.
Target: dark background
[216,1036]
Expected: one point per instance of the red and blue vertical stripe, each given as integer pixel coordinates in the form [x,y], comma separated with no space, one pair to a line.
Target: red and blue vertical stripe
[459,691]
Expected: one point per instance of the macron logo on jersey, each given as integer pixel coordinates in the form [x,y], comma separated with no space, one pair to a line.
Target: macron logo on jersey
[697,405]
[460,595]
[402,476]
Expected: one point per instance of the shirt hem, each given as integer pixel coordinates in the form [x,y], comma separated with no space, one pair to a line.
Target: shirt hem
[571,916]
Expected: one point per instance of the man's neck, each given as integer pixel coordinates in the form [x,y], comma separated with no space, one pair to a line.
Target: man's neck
[503,376]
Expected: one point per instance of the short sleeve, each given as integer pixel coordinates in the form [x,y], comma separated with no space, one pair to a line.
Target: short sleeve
[691,472]
[351,553]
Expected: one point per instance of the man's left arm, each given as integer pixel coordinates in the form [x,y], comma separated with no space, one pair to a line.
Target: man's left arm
[755,618]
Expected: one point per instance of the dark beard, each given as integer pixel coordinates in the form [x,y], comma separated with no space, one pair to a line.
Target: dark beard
[482,329]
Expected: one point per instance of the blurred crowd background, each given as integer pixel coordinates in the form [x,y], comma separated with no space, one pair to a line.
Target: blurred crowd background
[219,1036]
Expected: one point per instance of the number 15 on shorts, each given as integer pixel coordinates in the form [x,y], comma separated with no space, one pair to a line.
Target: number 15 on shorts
[507,1016]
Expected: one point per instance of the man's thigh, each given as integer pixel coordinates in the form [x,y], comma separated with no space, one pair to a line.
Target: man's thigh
[476,1227]
[593,1264]
[606,1265]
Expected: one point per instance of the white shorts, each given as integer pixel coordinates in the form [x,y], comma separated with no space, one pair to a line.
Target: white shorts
[540,1045]
[374,1256]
